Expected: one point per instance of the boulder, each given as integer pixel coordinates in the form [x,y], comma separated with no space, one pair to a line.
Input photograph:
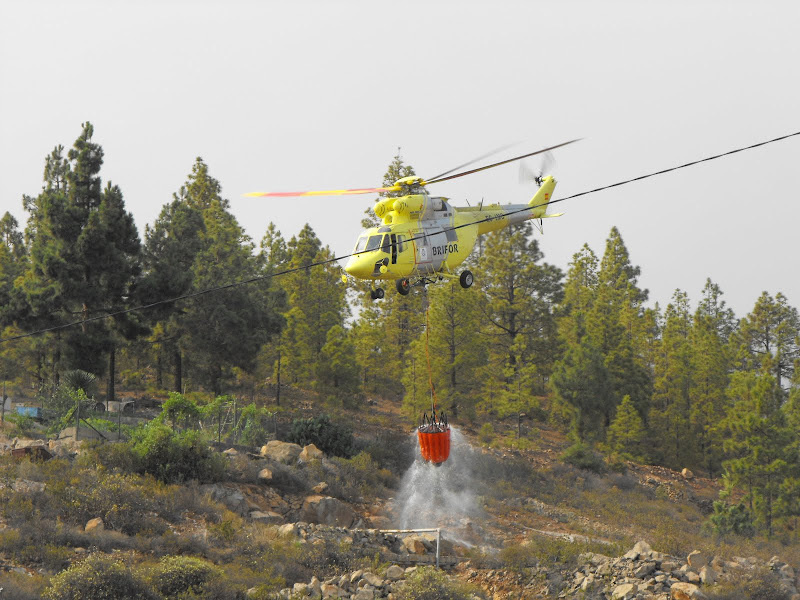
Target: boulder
[641,549]
[644,570]
[626,591]
[95,524]
[269,517]
[232,498]
[315,587]
[329,590]
[300,589]
[394,573]
[708,576]
[282,452]
[288,530]
[310,453]
[686,591]
[687,474]
[320,488]
[372,579]
[413,544]
[328,511]
[25,486]
[265,475]
[697,560]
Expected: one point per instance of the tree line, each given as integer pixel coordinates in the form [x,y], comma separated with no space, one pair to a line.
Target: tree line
[677,386]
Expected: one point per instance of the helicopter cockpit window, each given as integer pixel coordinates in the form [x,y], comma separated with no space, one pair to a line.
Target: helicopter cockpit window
[361,244]
[387,243]
[438,204]
[374,242]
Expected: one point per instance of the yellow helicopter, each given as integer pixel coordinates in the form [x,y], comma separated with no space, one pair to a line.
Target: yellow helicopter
[424,238]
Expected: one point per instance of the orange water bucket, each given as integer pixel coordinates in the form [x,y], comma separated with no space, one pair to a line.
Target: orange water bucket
[434,443]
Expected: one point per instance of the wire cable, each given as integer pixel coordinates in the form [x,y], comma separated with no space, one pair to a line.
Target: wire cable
[227,286]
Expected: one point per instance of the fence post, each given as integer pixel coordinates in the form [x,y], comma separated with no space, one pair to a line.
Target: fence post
[438,539]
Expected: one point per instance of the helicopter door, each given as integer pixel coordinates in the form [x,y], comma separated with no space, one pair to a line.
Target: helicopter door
[429,253]
[394,249]
[423,246]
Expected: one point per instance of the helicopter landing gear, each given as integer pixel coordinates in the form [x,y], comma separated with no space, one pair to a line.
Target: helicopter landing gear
[403,286]
[376,294]
[466,279]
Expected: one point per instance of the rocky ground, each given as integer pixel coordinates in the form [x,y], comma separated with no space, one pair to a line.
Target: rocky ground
[364,528]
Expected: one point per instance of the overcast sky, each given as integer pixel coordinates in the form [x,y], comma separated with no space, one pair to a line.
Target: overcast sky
[278,96]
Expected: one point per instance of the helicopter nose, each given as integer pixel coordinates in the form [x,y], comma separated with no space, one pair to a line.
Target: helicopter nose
[359,266]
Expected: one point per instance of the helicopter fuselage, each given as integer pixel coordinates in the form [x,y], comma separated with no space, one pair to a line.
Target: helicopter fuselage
[423,235]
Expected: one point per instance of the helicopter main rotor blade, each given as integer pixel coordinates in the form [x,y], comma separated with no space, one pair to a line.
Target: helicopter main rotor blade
[502,162]
[473,161]
[394,188]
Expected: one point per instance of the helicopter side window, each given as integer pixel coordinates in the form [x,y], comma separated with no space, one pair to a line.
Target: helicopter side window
[452,235]
[400,243]
[374,242]
[361,244]
[387,242]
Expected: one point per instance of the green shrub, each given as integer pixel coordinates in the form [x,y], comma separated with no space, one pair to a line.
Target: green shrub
[175,575]
[486,434]
[548,551]
[24,425]
[760,584]
[582,456]
[361,476]
[428,583]
[730,518]
[332,438]
[98,578]
[17,586]
[254,426]
[176,457]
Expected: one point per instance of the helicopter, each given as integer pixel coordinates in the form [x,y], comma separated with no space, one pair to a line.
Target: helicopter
[423,238]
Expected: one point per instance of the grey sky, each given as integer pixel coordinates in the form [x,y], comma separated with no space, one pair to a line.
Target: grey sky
[282,96]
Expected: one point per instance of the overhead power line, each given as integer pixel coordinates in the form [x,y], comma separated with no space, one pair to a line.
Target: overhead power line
[227,286]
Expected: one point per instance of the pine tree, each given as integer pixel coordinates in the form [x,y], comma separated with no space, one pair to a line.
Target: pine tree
[196,244]
[518,317]
[581,381]
[760,444]
[338,370]
[769,338]
[170,250]
[711,363]
[626,434]
[670,413]
[615,325]
[316,302]
[456,352]
[225,329]
[84,256]
[13,263]
[580,288]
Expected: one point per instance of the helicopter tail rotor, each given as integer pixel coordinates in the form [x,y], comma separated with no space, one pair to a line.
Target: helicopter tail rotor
[528,175]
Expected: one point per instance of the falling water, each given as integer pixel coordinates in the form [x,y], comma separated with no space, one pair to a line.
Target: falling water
[439,496]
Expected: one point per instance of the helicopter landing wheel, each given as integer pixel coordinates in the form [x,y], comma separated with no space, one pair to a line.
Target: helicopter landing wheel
[403,286]
[466,279]
[376,294]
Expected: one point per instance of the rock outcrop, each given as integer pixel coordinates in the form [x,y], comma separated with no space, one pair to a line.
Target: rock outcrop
[642,574]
